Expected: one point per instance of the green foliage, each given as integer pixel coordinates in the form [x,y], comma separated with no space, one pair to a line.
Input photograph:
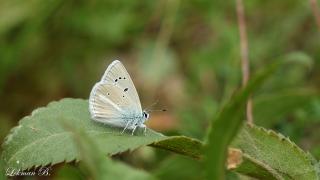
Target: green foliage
[63,132]
[270,155]
[268,109]
[174,167]
[182,145]
[43,135]
[2,170]
[99,166]
[183,53]
[69,172]
[228,122]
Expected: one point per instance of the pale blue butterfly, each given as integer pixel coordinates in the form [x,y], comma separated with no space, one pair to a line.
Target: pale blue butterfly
[114,100]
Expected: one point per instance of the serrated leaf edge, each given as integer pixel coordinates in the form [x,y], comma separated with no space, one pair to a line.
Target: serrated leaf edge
[284,139]
[15,130]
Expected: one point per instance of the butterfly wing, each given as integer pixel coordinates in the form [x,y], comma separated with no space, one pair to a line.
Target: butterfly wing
[114,100]
[110,104]
[117,74]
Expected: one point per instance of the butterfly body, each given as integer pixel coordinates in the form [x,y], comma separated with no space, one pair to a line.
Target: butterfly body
[115,101]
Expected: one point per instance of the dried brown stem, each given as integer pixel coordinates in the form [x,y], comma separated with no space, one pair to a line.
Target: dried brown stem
[315,11]
[244,54]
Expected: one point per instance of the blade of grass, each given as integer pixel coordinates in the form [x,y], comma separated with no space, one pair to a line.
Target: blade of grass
[227,123]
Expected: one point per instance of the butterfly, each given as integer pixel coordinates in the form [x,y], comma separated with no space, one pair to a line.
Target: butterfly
[114,100]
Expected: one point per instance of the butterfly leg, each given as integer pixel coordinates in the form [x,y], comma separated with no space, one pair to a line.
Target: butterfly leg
[125,127]
[144,128]
[135,127]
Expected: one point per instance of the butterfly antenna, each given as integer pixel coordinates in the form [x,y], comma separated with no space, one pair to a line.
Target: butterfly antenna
[153,104]
[162,110]
[148,109]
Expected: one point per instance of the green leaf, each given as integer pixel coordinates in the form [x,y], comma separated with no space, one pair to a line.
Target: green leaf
[269,108]
[226,124]
[246,165]
[181,145]
[269,155]
[99,166]
[41,139]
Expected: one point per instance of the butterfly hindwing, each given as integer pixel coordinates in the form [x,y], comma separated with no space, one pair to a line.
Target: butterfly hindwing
[110,104]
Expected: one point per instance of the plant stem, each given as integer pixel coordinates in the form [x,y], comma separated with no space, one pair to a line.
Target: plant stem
[315,11]
[244,55]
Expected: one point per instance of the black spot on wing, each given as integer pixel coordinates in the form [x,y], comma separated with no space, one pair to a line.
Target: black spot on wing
[125,90]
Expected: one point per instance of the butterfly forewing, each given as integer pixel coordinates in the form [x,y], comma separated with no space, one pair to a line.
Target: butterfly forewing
[117,74]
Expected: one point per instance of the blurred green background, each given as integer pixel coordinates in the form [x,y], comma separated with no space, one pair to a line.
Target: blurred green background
[182,54]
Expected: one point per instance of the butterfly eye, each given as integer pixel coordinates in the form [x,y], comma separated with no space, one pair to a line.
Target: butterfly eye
[145,115]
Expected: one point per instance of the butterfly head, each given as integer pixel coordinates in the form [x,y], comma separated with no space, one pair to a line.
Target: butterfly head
[145,115]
